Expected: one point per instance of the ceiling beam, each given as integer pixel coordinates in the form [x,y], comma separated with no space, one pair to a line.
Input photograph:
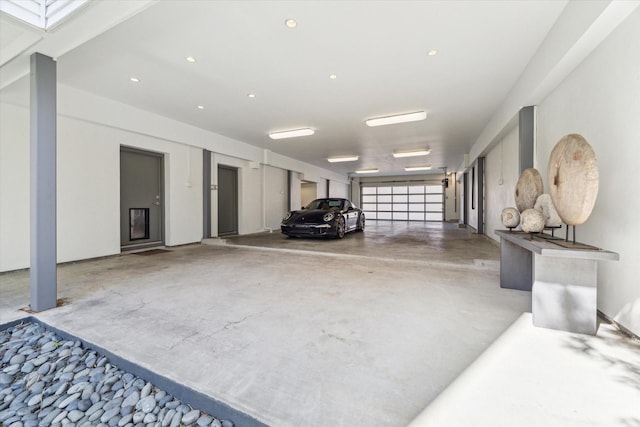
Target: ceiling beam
[579,30]
[93,20]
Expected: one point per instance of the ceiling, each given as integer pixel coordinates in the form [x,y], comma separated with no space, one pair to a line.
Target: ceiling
[376,49]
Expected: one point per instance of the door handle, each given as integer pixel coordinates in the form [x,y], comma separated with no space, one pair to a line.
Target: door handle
[156,203]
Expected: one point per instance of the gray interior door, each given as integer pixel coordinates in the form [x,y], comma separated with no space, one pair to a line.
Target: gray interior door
[141,206]
[227,200]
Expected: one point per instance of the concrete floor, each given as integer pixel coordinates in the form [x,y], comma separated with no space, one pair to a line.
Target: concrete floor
[430,242]
[367,332]
[535,377]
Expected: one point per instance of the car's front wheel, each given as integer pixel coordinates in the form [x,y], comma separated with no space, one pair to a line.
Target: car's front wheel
[360,226]
[339,228]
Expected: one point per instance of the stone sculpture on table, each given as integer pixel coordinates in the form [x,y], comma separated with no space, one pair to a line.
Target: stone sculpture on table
[532,221]
[510,218]
[545,205]
[573,187]
[528,188]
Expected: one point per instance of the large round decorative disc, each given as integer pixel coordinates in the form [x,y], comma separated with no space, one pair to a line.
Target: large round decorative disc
[573,179]
[528,188]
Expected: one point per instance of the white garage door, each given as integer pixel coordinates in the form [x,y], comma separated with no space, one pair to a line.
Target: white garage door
[403,202]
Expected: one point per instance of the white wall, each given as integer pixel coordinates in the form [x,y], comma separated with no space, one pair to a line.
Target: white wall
[306,171]
[88,195]
[275,196]
[451,194]
[91,131]
[501,176]
[88,188]
[601,101]
[14,188]
[308,192]
[338,189]
[295,185]
[321,189]
[354,191]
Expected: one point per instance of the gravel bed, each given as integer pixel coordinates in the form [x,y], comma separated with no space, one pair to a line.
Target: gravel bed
[47,381]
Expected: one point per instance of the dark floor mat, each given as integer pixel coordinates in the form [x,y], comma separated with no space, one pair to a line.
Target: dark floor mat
[151,252]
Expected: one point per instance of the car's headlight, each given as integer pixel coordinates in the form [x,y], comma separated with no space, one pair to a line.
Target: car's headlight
[328,216]
[287,216]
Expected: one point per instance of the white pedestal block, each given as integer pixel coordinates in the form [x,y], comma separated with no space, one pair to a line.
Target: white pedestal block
[565,287]
[564,294]
[565,307]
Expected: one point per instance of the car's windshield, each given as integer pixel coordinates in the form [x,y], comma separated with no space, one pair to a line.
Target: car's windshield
[325,204]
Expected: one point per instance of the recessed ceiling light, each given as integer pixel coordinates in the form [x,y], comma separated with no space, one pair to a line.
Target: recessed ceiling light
[411,153]
[134,79]
[190,59]
[398,118]
[200,107]
[333,76]
[432,52]
[342,159]
[291,133]
[291,23]
[251,95]
[367,171]
[417,168]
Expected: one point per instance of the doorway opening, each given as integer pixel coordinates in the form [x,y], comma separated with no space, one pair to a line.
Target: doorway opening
[227,200]
[141,199]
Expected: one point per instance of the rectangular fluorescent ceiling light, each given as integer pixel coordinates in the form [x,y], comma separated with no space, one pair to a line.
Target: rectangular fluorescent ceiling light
[342,159]
[367,171]
[291,133]
[400,118]
[417,168]
[397,154]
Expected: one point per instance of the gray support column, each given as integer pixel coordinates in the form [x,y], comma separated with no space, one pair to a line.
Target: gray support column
[527,135]
[465,199]
[480,184]
[328,187]
[289,178]
[206,194]
[43,267]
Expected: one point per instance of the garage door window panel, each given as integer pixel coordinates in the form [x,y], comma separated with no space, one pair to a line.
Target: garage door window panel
[369,199]
[403,202]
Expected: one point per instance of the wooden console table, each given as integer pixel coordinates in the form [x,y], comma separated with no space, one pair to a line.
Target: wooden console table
[563,281]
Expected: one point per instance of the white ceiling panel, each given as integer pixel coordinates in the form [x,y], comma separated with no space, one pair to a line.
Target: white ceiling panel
[376,49]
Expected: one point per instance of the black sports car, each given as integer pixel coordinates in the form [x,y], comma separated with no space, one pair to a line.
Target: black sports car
[324,217]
